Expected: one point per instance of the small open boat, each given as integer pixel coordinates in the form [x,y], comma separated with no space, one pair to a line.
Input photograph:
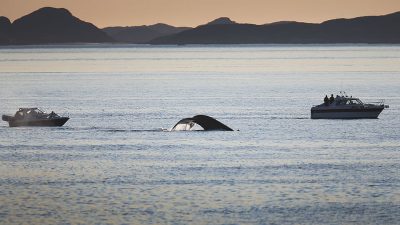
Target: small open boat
[34,117]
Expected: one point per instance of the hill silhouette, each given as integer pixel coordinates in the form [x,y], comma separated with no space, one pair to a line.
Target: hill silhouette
[54,25]
[368,29]
[221,21]
[142,34]
[5,30]
[57,25]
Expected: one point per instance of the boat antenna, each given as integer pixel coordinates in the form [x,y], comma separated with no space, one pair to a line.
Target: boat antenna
[341,87]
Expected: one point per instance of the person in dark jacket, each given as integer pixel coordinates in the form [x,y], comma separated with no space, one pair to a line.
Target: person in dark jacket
[326,100]
[331,99]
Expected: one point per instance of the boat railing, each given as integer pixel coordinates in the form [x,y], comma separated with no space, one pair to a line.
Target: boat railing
[378,102]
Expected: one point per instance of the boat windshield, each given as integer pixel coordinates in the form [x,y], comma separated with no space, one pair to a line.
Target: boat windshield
[354,101]
[34,111]
[38,111]
[349,101]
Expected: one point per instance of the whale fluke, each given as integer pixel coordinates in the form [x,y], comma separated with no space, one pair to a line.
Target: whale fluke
[206,122]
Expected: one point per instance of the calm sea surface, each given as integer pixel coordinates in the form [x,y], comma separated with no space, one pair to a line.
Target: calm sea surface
[112,163]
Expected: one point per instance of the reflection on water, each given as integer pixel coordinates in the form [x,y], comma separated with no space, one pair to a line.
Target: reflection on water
[111,163]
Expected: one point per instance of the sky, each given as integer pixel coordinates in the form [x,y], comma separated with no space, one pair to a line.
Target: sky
[105,13]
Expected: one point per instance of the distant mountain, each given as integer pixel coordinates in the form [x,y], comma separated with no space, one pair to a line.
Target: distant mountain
[5,30]
[167,29]
[221,21]
[52,25]
[57,25]
[369,29]
[142,34]
[280,22]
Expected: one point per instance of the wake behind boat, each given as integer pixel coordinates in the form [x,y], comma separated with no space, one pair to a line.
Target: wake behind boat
[35,117]
[345,107]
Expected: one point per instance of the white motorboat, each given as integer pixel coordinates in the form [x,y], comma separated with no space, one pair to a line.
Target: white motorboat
[345,107]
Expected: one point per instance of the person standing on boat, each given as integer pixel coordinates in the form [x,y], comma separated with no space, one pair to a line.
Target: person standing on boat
[331,99]
[326,100]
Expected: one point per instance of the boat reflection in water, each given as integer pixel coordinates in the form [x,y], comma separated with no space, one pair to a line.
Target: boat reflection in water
[345,107]
[34,117]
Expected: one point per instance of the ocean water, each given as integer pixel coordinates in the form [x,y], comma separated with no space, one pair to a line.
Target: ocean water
[112,163]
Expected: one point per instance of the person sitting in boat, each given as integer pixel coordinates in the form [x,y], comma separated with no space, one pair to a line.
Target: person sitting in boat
[326,100]
[52,114]
[331,99]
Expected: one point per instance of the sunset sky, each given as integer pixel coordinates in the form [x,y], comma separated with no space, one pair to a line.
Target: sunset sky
[104,13]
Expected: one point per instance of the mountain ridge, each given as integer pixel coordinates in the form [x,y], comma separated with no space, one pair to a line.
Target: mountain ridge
[142,34]
[221,21]
[5,30]
[367,29]
[49,25]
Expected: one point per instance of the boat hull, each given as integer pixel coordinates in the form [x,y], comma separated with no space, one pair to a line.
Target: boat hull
[366,113]
[56,122]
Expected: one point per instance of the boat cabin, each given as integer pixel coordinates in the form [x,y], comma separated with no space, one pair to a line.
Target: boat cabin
[33,113]
[347,101]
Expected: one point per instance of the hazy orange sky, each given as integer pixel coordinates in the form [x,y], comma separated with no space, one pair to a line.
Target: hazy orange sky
[104,13]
